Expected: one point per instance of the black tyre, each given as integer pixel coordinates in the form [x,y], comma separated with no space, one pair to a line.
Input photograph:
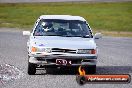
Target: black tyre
[81,80]
[90,69]
[31,68]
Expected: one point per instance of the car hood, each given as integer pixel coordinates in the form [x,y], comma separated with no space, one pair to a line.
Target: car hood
[63,42]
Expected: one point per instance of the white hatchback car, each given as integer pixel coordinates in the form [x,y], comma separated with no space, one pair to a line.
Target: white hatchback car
[61,41]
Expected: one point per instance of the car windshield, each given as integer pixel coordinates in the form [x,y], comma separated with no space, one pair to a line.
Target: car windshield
[65,28]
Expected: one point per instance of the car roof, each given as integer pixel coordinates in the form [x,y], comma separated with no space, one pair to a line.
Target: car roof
[62,17]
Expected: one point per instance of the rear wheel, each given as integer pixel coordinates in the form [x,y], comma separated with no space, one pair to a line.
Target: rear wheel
[31,68]
[90,69]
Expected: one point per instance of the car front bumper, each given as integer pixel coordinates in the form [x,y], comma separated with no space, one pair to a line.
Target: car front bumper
[50,61]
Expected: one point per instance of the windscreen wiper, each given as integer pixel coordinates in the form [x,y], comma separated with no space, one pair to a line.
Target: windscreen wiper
[85,36]
[70,36]
[52,35]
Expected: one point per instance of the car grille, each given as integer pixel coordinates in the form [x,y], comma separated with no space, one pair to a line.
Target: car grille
[63,50]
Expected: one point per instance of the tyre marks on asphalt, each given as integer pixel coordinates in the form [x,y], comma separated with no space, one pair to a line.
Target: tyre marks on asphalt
[9,73]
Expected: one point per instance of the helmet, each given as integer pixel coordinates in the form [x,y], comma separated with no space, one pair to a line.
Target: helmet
[46,25]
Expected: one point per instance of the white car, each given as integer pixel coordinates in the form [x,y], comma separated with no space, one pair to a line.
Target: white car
[61,41]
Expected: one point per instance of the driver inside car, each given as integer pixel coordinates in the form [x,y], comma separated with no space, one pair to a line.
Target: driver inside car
[47,26]
[44,27]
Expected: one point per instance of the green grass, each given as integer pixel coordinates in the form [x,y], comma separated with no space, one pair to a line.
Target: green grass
[115,16]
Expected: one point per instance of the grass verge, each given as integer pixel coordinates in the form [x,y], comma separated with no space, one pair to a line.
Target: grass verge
[105,17]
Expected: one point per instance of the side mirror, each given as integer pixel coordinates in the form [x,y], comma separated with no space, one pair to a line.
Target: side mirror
[26,32]
[97,36]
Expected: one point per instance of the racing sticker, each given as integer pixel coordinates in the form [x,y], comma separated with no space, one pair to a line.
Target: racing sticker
[41,45]
[63,62]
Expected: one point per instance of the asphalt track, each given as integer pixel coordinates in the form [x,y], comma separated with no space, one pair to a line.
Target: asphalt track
[115,57]
[34,1]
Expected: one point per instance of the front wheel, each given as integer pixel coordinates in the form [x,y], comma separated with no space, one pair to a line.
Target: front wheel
[31,68]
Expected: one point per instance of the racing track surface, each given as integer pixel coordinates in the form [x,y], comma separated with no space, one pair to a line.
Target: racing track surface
[115,56]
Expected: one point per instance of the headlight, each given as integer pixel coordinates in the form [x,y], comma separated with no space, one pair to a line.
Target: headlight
[86,51]
[35,49]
